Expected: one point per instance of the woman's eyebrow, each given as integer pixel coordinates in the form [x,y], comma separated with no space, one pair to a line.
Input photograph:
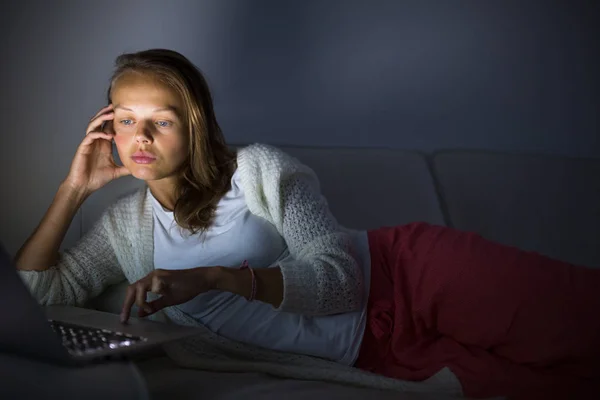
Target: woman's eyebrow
[167,108]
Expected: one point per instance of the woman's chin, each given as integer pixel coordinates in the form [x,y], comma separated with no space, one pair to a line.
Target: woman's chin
[145,174]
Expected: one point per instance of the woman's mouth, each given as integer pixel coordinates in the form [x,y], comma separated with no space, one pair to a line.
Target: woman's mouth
[143,157]
[143,160]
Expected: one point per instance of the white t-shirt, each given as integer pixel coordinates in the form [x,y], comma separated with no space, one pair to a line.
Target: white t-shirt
[237,235]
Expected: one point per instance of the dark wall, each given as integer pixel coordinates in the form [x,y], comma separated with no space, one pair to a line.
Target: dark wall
[501,75]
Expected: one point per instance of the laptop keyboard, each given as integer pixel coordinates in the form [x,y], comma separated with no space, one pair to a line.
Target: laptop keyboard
[84,340]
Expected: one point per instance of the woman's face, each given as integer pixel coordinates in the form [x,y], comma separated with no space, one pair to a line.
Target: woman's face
[150,135]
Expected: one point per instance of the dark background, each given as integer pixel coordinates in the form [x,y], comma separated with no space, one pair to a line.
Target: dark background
[502,75]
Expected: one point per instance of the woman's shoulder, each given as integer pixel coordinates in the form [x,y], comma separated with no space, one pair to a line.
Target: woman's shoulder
[260,152]
[259,158]
[127,204]
[123,215]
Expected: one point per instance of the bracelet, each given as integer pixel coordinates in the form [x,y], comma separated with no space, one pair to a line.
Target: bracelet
[253,290]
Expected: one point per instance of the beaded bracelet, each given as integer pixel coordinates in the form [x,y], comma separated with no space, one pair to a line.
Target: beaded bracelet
[253,290]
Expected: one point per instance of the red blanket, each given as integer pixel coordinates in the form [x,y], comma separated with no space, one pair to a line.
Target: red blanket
[505,321]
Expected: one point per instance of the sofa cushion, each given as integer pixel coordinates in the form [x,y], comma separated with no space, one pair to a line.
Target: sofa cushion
[546,204]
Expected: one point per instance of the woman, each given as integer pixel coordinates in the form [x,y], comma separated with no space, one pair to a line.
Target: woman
[244,244]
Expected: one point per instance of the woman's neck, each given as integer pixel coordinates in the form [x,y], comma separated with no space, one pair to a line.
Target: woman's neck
[164,192]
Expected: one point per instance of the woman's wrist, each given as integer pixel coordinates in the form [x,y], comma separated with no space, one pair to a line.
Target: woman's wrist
[269,283]
[73,192]
[232,280]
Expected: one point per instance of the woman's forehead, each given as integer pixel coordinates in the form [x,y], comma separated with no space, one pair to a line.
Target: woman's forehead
[135,92]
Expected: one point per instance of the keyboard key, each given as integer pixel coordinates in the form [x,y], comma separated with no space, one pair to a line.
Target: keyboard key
[82,340]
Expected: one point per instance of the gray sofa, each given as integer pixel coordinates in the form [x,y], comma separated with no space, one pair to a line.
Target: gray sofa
[546,204]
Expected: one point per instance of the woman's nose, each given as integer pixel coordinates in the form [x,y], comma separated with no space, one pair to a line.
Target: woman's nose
[144,134]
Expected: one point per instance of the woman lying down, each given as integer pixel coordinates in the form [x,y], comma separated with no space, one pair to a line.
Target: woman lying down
[243,243]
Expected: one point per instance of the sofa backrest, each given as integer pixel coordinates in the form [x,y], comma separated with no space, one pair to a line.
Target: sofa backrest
[546,204]
[371,188]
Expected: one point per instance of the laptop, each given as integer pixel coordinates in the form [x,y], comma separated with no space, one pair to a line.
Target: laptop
[72,335]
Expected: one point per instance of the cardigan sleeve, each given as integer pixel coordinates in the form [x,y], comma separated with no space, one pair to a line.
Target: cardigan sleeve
[322,276]
[81,272]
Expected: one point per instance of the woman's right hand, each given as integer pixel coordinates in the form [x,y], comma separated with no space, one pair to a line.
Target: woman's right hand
[94,165]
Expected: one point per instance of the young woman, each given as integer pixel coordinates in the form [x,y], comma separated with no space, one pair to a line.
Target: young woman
[244,244]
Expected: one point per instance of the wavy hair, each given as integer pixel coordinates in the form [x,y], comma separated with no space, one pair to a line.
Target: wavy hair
[206,174]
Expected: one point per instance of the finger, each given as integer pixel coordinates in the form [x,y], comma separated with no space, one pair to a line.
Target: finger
[128,303]
[140,296]
[105,110]
[97,122]
[102,111]
[92,137]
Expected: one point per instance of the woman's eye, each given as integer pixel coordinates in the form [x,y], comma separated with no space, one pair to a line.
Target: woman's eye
[163,124]
[126,122]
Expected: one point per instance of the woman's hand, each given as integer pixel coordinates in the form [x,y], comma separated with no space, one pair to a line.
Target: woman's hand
[93,165]
[174,287]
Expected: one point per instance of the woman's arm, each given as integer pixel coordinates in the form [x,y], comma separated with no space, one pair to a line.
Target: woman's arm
[84,271]
[323,276]
[40,251]
[79,273]
[179,286]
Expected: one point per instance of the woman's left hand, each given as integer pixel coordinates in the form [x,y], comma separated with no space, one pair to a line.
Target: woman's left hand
[174,287]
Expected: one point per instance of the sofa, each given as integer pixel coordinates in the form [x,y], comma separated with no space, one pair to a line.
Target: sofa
[547,204]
